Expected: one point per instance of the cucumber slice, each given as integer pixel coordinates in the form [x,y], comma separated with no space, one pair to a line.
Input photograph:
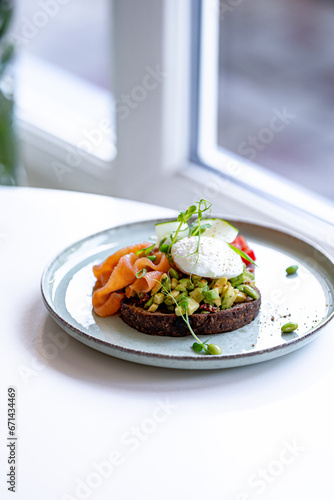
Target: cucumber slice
[164,230]
[220,229]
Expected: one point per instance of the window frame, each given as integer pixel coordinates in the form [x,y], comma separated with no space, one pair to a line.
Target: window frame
[151,160]
[205,149]
[147,28]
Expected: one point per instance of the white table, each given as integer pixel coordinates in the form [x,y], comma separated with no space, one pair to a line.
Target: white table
[92,426]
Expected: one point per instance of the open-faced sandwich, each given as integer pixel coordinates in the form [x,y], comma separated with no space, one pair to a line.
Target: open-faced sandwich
[197,278]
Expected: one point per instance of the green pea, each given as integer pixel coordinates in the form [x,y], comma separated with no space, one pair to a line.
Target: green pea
[289,327]
[249,275]
[185,281]
[250,291]
[202,283]
[169,301]
[211,295]
[291,269]
[148,303]
[181,288]
[166,288]
[164,248]
[174,274]
[181,296]
[238,280]
[214,349]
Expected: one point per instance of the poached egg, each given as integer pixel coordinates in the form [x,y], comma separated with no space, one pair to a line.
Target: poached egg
[215,259]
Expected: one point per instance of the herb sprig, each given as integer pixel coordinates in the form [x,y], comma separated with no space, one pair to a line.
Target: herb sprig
[199,209]
[197,346]
[196,229]
[242,254]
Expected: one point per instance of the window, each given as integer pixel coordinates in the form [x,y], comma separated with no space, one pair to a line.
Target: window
[71,34]
[64,83]
[176,127]
[266,96]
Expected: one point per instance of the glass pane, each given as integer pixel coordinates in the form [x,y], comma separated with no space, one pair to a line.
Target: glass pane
[276,87]
[72,34]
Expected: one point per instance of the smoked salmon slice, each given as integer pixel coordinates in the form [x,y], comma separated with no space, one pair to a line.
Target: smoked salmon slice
[102,271]
[111,305]
[121,270]
[144,284]
[160,264]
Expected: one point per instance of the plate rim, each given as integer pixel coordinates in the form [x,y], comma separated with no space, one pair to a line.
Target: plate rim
[201,358]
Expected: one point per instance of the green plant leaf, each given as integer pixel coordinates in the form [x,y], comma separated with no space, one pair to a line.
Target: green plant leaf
[242,254]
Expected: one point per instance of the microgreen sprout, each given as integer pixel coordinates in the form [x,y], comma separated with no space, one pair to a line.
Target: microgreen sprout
[212,349]
[197,346]
[196,228]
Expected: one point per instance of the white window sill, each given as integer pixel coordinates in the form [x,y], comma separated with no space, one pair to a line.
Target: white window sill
[270,186]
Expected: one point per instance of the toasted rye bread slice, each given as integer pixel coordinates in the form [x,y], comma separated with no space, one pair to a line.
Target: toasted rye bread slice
[170,325]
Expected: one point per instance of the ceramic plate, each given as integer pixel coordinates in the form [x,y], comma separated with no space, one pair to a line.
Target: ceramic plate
[306,298]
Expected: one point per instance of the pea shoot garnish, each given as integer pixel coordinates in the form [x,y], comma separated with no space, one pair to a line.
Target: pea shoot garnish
[188,253]
[212,349]
[199,271]
[196,229]
[197,346]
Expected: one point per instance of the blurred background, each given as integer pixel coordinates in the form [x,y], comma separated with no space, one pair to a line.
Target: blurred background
[76,37]
[275,59]
[275,55]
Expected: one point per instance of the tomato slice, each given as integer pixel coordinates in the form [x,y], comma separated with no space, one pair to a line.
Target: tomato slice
[251,254]
[242,244]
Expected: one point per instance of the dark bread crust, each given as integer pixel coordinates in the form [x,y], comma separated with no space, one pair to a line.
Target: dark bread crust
[170,325]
